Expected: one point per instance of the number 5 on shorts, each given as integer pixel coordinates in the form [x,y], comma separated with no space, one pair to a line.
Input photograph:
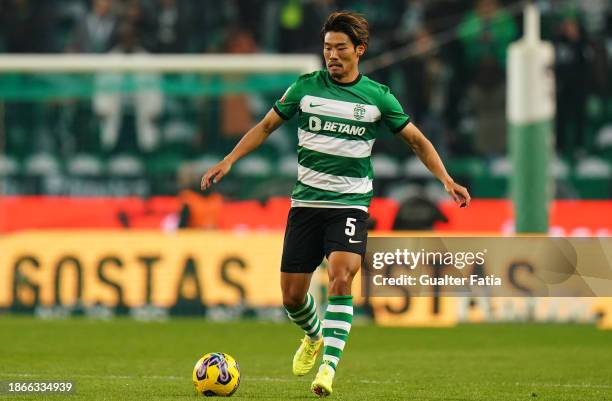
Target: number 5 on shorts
[350,226]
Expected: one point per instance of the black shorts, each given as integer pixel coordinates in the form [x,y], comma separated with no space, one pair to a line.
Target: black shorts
[312,233]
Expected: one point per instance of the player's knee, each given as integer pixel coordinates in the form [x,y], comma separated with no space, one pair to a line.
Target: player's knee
[293,300]
[340,284]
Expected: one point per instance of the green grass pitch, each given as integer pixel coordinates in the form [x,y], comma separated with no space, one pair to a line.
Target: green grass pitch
[124,359]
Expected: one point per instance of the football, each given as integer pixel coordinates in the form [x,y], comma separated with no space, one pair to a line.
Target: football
[216,374]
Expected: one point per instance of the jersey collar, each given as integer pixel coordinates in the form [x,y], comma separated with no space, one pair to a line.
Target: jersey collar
[353,82]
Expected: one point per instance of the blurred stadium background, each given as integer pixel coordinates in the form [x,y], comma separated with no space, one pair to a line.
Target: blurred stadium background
[100,212]
[111,110]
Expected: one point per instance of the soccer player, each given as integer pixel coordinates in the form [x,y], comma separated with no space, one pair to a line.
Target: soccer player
[339,114]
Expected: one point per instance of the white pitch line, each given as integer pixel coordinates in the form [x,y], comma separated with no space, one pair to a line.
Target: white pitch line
[178,378]
[128,377]
[277,379]
[573,385]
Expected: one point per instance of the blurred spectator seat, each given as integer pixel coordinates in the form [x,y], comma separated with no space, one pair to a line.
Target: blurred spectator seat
[604,138]
[84,164]
[399,192]
[466,167]
[41,164]
[287,165]
[385,166]
[254,166]
[559,168]
[207,161]
[178,133]
[593,167]
[592,178]
[265,187]
[164,163]
[125,165]
[414,168]
[500,167]
[8,165]
[435,190]
[190,172]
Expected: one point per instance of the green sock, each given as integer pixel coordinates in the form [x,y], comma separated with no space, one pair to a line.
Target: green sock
[336,328]
[306,317]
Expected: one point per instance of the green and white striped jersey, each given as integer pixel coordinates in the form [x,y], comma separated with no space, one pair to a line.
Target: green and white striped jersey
[337,127]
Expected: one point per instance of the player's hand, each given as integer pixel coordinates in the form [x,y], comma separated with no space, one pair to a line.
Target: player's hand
[215,174]
[459,194]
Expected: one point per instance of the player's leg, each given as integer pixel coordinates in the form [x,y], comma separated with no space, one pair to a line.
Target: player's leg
[302,253]
[345,246]
[343,266]
[300,304]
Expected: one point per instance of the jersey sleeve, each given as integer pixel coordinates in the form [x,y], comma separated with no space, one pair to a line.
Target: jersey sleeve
[289,103]
[392,113]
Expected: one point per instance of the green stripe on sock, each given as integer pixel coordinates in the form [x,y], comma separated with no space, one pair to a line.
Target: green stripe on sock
[302,309]
[308,327]
[333,351]
[333,365]
[305,314]
[318,330]
[299,316]
[305,318]
[345,317]
[341,300]
[332,332]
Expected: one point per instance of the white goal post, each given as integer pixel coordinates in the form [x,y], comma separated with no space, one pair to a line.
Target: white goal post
[205,63]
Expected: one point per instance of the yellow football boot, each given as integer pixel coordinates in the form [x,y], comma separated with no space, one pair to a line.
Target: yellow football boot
[305,357]
[322,384]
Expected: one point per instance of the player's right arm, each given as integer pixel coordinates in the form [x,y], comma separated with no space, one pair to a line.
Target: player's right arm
[249,142]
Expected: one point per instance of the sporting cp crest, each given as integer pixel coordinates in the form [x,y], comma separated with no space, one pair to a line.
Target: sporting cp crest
[359,111]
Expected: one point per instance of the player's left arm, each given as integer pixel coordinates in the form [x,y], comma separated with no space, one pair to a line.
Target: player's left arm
[429,156]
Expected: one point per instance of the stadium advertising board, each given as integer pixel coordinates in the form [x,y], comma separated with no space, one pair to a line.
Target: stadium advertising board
[150,274]
[130,270]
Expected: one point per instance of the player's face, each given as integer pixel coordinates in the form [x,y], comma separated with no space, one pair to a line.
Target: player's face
[341,55]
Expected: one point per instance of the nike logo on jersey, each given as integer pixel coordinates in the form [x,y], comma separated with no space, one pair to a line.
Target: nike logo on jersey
[352,241]
[316,105]
[338,334]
